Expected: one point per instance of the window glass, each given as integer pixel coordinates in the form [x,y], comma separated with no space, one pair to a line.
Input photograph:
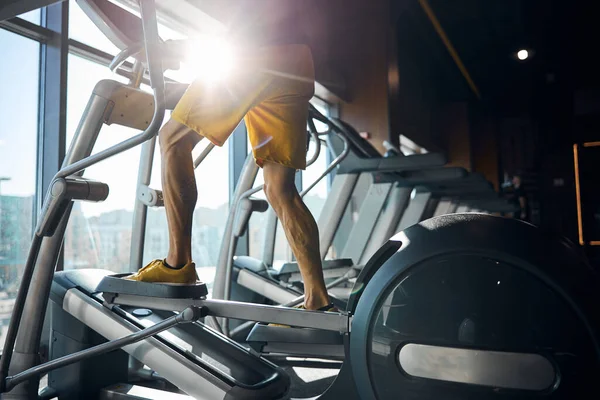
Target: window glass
[19,80]
[33,16]
[82,29]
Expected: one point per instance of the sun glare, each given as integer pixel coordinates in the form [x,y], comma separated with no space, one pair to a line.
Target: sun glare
[211,58]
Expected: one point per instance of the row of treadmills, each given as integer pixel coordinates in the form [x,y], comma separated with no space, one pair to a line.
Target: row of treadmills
[390,193]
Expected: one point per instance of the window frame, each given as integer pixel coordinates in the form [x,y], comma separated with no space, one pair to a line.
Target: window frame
[52,100]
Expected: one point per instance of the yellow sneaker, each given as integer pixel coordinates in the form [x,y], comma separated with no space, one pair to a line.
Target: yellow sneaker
[158,272]
[328,308]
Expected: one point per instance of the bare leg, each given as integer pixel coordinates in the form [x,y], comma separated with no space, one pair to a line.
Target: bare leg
[300,229]
[179,188]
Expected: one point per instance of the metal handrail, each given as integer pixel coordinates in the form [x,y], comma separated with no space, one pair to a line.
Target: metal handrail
[124,55]
[154,60]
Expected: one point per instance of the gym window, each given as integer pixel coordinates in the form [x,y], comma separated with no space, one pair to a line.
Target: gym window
[19,108]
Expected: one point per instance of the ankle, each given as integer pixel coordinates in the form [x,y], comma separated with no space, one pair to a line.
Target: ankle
[175,263]
[314,303]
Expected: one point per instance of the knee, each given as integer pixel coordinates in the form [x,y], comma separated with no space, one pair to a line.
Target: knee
[174,135]
[166,137]
[279,194]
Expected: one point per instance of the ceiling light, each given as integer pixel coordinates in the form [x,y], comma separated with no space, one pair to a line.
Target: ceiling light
[522,54]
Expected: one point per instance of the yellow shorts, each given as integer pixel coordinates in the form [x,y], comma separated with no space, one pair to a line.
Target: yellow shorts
[270,88]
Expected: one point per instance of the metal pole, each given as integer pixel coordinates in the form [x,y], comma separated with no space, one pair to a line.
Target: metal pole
[7,352]
[234,239]
[296,301]
[269,229]
[150,132]
[190,314]
[37,286]
[233,242]
[224,323]
[329,321]
[81,146]
[203,155]
[140,210]
[238,151]
[330,168]
[137,74]
[247,177]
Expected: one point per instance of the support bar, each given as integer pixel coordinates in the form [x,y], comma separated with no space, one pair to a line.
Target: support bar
[154,58]
[17,313]
[190,314]
[203,155]
[328,321]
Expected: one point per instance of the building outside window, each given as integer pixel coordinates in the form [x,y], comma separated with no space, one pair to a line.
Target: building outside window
[19,80]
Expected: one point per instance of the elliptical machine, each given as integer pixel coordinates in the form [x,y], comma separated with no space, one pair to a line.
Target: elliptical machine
[456,307]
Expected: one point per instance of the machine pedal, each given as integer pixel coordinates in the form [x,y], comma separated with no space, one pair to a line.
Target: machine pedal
[115,284]
[267,339]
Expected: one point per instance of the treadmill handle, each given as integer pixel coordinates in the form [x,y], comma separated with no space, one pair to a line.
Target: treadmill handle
[395,163]
[415,161]
[190,314]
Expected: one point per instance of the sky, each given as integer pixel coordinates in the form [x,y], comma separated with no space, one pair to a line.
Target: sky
[18,113]
[19,78]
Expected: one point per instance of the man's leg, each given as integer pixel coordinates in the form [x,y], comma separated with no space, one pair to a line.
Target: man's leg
[179,188]
[180,194]
[300,229]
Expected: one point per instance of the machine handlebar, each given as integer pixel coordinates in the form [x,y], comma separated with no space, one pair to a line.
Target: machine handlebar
[154,60]
[124,55]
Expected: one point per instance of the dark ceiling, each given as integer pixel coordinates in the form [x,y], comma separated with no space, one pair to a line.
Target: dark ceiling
[486,35]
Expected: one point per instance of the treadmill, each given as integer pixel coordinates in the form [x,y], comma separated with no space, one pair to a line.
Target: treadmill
[472,194]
